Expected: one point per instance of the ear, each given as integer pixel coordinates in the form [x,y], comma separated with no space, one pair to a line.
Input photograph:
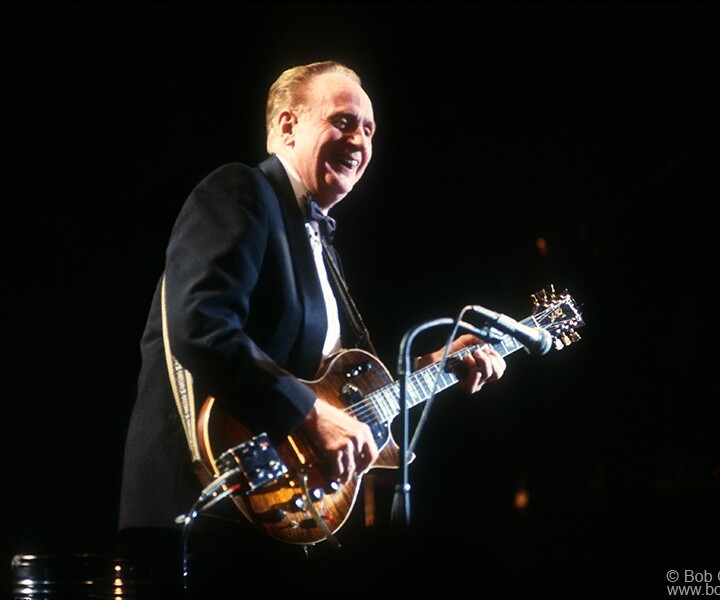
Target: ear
[286,126]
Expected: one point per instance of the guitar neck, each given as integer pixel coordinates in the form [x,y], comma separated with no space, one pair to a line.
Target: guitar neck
[428,381]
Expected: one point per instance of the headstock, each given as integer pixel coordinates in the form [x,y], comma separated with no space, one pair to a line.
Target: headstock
[559,314]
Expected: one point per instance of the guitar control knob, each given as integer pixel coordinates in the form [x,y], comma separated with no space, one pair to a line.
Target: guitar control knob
[358,369]
[333,486]
[351,393]
[298,502]
[274,515]
[317,494]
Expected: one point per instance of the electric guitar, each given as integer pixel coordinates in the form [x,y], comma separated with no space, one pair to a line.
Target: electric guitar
[282,488]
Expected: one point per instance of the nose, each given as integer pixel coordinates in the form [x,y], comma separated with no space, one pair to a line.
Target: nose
[360,139]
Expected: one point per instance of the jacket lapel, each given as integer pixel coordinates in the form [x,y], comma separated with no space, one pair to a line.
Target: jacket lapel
[308,351]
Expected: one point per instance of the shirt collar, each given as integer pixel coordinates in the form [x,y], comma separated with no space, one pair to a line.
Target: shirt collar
[298,187]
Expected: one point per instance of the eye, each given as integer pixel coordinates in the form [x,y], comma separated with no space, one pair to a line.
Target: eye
[342,123]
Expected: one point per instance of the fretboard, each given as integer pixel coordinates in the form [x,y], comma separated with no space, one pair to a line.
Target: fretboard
[425,382]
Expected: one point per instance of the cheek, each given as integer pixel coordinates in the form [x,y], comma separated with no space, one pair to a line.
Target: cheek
[368,158]
[368,155]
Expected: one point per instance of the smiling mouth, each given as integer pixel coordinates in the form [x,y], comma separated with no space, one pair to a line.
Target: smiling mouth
[348,162]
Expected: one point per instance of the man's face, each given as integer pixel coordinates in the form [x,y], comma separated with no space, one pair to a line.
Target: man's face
[332,138]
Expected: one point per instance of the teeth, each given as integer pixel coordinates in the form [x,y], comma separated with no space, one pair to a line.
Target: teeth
[349,162]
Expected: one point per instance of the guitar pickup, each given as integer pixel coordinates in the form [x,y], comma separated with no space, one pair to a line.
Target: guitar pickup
[256,461]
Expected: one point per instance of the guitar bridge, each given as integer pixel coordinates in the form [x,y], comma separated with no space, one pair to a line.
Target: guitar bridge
[256,461]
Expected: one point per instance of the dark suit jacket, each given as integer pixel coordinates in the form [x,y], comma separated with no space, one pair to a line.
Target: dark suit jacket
[246,317]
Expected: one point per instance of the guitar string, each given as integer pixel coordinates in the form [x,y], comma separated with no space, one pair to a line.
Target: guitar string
[368,407]
[374,403]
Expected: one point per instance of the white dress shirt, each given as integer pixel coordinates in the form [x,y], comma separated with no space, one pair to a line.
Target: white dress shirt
[332,338]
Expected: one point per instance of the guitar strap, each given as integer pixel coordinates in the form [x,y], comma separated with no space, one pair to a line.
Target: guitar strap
[346,302]
[181,382]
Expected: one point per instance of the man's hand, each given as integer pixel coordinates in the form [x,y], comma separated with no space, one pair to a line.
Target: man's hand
[346,443]
[482,366]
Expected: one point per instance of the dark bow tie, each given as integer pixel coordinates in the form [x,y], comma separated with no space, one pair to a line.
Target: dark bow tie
[326,224]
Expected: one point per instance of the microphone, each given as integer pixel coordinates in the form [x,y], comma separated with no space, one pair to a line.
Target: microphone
[537,341]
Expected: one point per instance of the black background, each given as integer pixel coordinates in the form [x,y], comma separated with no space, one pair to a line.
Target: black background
[591,125]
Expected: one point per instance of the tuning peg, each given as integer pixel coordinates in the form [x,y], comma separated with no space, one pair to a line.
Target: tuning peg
[566,339]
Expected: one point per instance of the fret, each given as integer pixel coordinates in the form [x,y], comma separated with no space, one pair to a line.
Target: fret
[393,397]
[423,380]
[380,408]
[414,395]
[506,345]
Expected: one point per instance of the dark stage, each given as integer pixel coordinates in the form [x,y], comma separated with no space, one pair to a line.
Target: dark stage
[589,127]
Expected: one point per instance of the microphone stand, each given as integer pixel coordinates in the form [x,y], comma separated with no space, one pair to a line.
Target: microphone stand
[400,516]
[401,500]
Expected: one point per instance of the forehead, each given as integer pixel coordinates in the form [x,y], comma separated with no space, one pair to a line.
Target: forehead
[335,92]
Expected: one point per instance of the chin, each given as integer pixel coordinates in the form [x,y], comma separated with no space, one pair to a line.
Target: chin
[335,193]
